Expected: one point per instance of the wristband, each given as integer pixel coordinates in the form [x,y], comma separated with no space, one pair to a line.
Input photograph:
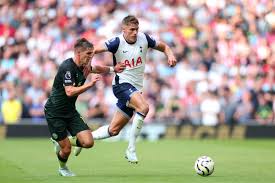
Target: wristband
[111,69]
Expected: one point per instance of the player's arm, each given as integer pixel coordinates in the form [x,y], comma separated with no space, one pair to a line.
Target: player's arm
[100,48]
[118,68]
[69,79]
[161,46]
[74,91]
[111,46]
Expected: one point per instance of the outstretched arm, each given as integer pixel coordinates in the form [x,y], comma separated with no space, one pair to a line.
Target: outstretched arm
[118,68]
[161,46]
[100,48]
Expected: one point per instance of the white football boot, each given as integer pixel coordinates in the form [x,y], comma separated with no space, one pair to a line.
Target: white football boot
[131,156]
[65,172]
[77,150]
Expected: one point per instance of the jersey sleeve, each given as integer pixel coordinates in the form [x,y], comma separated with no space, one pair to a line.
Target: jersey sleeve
[68,76]
[112,44]
[151,41]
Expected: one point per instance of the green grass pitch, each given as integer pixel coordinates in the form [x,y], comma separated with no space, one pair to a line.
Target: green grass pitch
[164,161]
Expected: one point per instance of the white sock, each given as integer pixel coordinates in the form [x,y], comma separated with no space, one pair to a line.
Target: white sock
[101,133]
[135,130]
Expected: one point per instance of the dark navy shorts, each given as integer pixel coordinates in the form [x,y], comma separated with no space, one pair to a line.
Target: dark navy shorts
[123,93]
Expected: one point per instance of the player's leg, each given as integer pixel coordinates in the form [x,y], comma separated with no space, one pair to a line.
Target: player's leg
[81,133]
[123,93]
[85,139]
[130,99]
[82,139]
[63,155]
[141,107]
[120,119]
[118,122]
[57,127]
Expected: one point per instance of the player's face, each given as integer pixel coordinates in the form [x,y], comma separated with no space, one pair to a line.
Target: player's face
[86,56]
[130,32]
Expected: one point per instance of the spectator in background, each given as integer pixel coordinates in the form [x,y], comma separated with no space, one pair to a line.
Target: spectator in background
[190,103]
[97,106]
[233,39]
[35,91]
[1,98]
[228,105]
[11,108]
[27,103]
[210,108]
[37,109]
[264,110]
[273,109]
[244,111]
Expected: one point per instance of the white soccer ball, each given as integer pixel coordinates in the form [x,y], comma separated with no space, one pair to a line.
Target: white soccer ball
[204,166]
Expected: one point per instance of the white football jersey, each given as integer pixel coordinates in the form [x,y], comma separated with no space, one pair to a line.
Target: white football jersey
[134,57]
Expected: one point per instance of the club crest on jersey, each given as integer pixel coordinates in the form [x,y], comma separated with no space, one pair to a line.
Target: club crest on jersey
[68,75]
[140,49]
[133,62]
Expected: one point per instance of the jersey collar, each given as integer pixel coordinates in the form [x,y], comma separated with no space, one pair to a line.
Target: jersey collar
[127,41]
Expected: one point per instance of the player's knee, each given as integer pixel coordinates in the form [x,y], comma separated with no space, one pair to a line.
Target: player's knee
[114,131]
[88,144]
[144,109]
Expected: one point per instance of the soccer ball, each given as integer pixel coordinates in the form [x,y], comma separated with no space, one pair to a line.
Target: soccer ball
[204,166]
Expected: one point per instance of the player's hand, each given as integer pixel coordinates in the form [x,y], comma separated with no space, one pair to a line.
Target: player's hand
[95,78]
[172,61]
[119,67]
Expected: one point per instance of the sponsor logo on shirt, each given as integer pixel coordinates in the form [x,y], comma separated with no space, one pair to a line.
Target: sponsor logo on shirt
[67,81]
[133,62]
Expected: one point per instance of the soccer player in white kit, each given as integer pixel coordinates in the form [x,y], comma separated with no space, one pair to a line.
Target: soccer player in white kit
[130,48]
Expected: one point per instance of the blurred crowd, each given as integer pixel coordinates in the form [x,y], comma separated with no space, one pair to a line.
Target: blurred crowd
[225,51]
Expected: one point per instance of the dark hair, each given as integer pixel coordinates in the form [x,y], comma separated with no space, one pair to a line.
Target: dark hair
[82,44]
[130,19]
